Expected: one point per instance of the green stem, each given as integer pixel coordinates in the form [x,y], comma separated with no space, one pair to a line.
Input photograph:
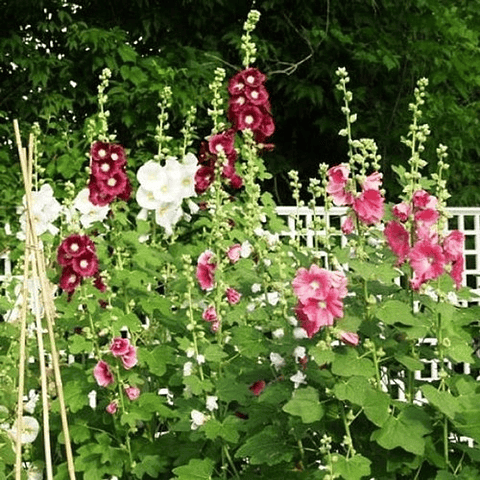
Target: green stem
[230,461]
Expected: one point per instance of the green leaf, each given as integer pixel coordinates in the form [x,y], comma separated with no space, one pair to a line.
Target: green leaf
[151,465]
[195,470]
[405,431]
[305,403]
[214,353]
[395,311]
[353,390]
[353,468]
[79,344]
[376,406]
[157,359]
[347,363]
[411,363]
[267,447]
[230,389]
[250,342]
[227,430]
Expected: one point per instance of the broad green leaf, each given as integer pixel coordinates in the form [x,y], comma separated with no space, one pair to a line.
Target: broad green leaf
[353,390]
[230,389]
[395,311]
[347,363]
[195,470]
[267,447]
[305,403]
[354,468]
[156,359]
[411,363]
[376,406]
[250,342]
[79,344]
[214,353]
[227,430]
[151,465]
[321,356]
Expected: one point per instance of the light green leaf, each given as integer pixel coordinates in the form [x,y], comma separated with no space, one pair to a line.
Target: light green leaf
[305,403]
[347,363]
[395,311]
[354,468]
[195,470]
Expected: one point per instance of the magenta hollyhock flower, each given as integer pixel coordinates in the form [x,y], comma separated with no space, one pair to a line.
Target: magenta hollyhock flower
[234,253]
[102,373]
[453,245]
[312,283]
[126,193]
[86,264]
[97,195]
[74,245]
[350,338]
[132,393]
[99,283]
[339,282]
[322,312]
[236,181]
[99,151]
[115,183]
[372,182]
[119,346]
[398,240]
[427,261]
[235,104]
[421,200]
[457,269]
[233,296]
[129,359]
[253,77]
[257,95]
[112,408]
[206,270]
[236,84]
[222,142]
[204,177]
[258,387]
[402,211]
[103,169]
[249,117]
[117,155]
[69,280]
[348,225]
[369,207]
[210,314]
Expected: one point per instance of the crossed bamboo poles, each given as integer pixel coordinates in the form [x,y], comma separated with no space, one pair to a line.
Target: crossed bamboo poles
[34,268]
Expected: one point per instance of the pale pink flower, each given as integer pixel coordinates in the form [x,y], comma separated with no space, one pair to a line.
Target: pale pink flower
[369,207]
[206,270]
[422,200]
[453,245]
[348,225]
[339,282]
[312,283]
[132,393]
[398,240]
[234,253]
[210,314]
[233,296]
[402,211]
[427,260]
[112,408]
[129,359]
[372,182]
[337,181]
[350,338]
[119,346]
[102,373]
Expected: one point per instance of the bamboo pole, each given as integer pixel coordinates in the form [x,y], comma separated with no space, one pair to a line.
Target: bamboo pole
[49,311]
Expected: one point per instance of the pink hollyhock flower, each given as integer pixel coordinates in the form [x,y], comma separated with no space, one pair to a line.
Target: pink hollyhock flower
[112,408]
[398,240]
[210,314]
[348,225]
[119,346]
[427,217]
[422,200]
[234,253]
[402,211]
[215,326]
[312,283]
[103,375]
[257,95]
[206,270]
[337,181]
[86,264]
[456,270]
[233,296]
[339,282]
[129,359]
[372,182]
[249,117]
[322,312]
[350,338]
[453,245]
[427,260]
[369,207]
[132,393]
[258,387]
[69,280]
[222,142]
[253,77]
[310,326]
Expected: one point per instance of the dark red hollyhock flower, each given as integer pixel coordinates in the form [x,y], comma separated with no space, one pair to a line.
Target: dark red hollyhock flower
[236,84]
[258,387]
[96,195]
[257,95]
[236,181]
[69,280]
[249,117]
[85,265]
[127,191]
[117,155]
[103,169]
[115,184]
[204,178]
[99,151]
[222,142]
[74,245]
[99,283]
[253,77]
[236,103]
[267,126]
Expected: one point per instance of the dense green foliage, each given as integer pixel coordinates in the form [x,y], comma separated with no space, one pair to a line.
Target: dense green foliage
[48,44]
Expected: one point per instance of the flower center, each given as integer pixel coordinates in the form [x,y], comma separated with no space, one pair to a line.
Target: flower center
[249,119]
[254,94]
[314,285]
[83,263]
[105,167]
[250,79]
[114,157]
[74,247]
[72,279]
[111,182]
[322,304]
[102,152]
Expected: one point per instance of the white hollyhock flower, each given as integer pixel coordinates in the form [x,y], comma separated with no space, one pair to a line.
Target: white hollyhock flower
[246,249]
[273,298]
[256,287]
[150,175]
[299,333]
[298,379]
[212,403]
[90,213]
[146,199]
[198,419]
[29,432]
[278,333]
[277,360]
[187,369]
[33,397]
[167,215]
[299,353]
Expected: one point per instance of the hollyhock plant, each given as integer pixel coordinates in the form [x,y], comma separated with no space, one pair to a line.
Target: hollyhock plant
[337,182]
[103,375]
[427,261]
[258,387]
[369,207]
[69,280]
[210,314]
[206,270]
[312,283]
[132,393]
[350,338]
[234,253]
